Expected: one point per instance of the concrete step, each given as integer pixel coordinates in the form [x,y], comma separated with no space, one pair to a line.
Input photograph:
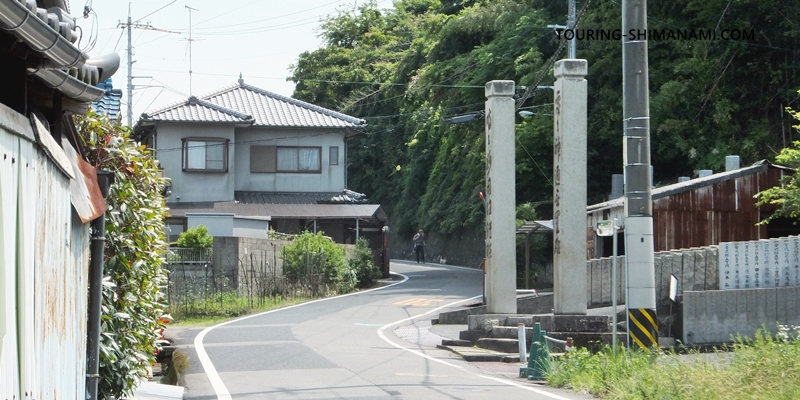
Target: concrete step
[499,344]
[456,342]
[509,332]
[481,355]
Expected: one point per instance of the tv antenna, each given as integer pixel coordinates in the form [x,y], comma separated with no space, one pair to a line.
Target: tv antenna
[190,46]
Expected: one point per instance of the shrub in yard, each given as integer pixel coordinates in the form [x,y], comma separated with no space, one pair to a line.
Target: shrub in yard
[361,263]
[310,255]
[196,238]
[135,247]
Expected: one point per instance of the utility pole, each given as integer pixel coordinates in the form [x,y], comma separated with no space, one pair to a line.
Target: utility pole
[571,19]
[129,25]
[573,49]
[641,297]
[190,46]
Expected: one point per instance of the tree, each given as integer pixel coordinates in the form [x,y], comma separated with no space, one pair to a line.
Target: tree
[786,196]
[196,238]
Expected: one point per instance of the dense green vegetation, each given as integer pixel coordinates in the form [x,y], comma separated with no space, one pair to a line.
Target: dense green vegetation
[786,196]
[312,255]
[362,264]
[407,69]
[764,367]
[134,254]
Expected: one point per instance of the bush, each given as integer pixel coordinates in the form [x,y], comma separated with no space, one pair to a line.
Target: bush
[361,263]
[196,238]
[310,255]
[134,254]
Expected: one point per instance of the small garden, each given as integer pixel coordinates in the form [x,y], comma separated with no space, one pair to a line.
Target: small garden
[313,267]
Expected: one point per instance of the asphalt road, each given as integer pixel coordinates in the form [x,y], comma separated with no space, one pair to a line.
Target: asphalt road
[368,345]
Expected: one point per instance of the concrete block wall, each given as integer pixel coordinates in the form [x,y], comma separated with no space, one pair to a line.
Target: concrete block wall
[717,316]
[696,270]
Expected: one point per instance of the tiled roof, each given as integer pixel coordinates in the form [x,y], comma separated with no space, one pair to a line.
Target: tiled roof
[266,109]
[345,197]
[198,110]
[51,32]
[110,104]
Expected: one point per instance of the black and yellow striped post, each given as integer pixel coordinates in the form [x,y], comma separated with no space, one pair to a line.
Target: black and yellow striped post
[643,328]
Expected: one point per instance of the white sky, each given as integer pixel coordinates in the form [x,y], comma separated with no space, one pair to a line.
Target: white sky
[259,38]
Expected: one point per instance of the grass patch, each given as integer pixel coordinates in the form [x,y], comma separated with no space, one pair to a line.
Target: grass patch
[766,367]
[224,306]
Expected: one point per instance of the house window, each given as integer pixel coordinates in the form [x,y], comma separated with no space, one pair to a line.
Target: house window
[334,155]
[262,158]
[205,154]
[299,159]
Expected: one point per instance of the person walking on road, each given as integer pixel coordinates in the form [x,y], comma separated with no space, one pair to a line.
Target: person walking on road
[419,246]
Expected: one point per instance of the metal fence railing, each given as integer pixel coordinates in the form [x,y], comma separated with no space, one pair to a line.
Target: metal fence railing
[201,283]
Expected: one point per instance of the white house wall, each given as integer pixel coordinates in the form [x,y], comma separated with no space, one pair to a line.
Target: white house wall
[195,186]
[330,179]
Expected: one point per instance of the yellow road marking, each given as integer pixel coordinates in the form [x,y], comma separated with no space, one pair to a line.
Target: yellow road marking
[419,302]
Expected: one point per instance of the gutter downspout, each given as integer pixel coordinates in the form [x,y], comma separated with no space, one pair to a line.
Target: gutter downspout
[104,180]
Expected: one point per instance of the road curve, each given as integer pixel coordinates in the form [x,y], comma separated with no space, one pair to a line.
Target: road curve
[347,348]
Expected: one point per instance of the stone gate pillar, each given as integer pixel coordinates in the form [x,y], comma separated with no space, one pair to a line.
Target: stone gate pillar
[569,191]
[501,252]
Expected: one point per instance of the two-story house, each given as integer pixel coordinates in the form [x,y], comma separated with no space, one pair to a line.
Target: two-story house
[242,158]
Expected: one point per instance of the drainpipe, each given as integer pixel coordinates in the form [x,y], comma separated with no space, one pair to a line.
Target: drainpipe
[104,180]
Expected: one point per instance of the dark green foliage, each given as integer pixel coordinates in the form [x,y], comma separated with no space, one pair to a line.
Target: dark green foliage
[424,61]
[196,238]
[362,264]
[134,249]
[786,196]
[316,255]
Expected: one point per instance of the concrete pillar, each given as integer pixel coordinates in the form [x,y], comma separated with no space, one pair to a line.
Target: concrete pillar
[501,252]
[569,192]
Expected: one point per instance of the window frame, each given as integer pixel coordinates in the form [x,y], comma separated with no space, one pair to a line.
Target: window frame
[298,171]
[185,153]
[330,155]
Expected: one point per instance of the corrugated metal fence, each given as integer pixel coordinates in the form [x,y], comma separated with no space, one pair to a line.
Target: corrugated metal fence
[44,257]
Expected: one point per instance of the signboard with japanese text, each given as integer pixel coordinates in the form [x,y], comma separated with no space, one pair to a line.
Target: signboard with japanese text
[766,263]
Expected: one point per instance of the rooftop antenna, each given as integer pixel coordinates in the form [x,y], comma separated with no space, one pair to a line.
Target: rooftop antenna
[129,25]
[190,47]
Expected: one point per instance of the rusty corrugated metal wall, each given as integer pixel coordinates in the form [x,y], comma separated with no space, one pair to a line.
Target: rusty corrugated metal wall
[721,212]
[703,216]
[44,258]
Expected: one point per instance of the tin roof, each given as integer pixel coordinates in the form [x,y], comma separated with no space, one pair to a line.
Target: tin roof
[254,106]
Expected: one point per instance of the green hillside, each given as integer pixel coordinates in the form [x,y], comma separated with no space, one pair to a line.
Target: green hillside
[408,69]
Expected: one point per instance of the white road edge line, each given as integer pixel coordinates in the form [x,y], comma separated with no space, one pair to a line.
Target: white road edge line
[459,367]
[211,372]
